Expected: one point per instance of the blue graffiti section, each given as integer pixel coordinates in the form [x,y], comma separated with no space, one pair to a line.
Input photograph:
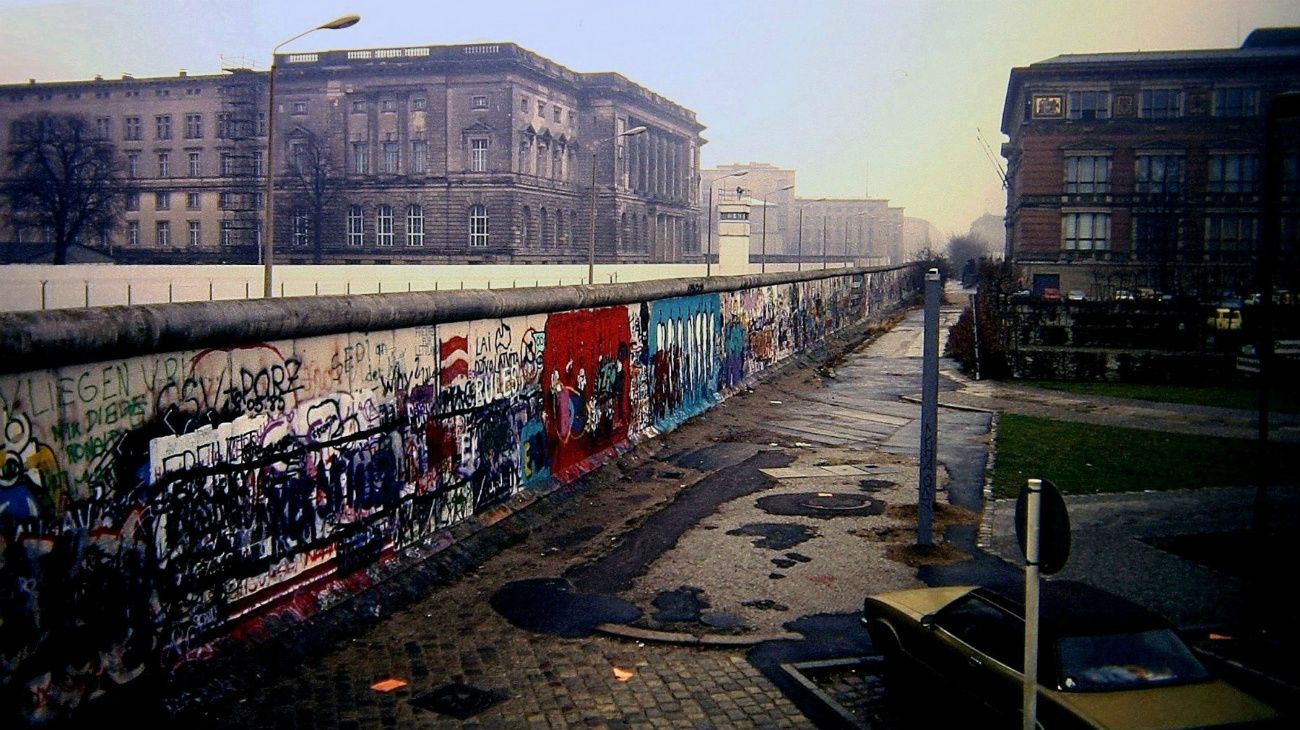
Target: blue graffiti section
[685,348]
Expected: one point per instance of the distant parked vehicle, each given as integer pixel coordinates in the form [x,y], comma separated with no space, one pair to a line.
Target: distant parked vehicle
[1225,318]
[1023,295]
[1124,295]
[1077,295]
[1051,294]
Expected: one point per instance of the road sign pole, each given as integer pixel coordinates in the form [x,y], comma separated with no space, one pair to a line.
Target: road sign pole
[926,486]
[1032,514]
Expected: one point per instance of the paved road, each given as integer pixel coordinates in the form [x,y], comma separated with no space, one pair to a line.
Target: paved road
[747,538]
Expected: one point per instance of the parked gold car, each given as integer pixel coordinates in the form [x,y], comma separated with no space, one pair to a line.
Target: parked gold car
[1104,662]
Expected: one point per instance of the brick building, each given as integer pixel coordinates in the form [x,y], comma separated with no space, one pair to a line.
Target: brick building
[474,153]
[1131,170]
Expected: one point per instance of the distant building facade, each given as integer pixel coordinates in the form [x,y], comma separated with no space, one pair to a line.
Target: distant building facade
[474,153]
[1144,169]
[867,230]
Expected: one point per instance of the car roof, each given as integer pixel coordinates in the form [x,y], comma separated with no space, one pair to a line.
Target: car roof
[1071,608]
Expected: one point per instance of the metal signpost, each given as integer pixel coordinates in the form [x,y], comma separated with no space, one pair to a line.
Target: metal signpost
[1043,530]
[929,412]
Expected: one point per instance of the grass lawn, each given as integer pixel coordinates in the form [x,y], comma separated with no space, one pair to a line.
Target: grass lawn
[1082,458]
[1281,400]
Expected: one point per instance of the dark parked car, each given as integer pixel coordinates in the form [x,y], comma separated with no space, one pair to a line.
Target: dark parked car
[1104,662]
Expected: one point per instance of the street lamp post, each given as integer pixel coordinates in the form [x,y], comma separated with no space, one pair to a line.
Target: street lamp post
[268,235]
[591,237]
[708,254]
[770,192]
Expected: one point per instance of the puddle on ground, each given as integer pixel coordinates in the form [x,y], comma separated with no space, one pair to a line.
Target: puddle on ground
[776,536]
[552,606]
[822,505]
[684,604]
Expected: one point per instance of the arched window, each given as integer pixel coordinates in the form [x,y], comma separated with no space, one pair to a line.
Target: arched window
[356,234]
[384,225]
[526,229]
[478,225]
[546,230]
[415,226]
[559,228]
[573,224]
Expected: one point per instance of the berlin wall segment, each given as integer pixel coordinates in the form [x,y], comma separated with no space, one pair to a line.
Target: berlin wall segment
[153,505]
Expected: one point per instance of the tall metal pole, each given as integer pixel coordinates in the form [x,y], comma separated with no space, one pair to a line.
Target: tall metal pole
[708,253]
[268,235]
[591,234]
[800,255]
[929,412]
[1033,514]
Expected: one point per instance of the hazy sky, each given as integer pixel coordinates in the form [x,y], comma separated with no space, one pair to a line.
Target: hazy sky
[878,95]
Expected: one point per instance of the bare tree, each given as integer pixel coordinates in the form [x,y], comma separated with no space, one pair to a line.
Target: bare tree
[63,179]
[313,180]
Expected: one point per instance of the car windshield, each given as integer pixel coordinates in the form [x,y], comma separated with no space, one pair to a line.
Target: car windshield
[1126,661]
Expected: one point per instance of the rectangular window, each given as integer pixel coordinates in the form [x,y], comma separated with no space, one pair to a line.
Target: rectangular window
[1087,174]
[360,158]
[163,233]
[1085,231]
[556,113]
[1155,236]
[1230,234]
[419,104]
[133,164]
[261,124]
[358,107]
[478,149]
[133,129]
[479,102]
[541,108]
[1236,102]
[419,156]
[388,105]
[1158,174]
[301,228]
[523,104]
[103,127]
[227,233]
[300,107]
[164,164]
[196,164]
[298,158]
[258,165]
[225,201]
[356,235]
[1233,173]
[224,125]
[1089,105]
[162,200]
[193,126]
[384,226]
[392,157]
[133,201]
[1291,173]
[1161,104]
[192,201]
[162,126]
[196,236]
[133,233]
[227,164]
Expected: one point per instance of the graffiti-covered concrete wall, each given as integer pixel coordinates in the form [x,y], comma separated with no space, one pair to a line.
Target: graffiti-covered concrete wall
[173,474]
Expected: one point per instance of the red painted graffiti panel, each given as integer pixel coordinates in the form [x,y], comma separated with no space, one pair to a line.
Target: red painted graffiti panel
[586,374]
